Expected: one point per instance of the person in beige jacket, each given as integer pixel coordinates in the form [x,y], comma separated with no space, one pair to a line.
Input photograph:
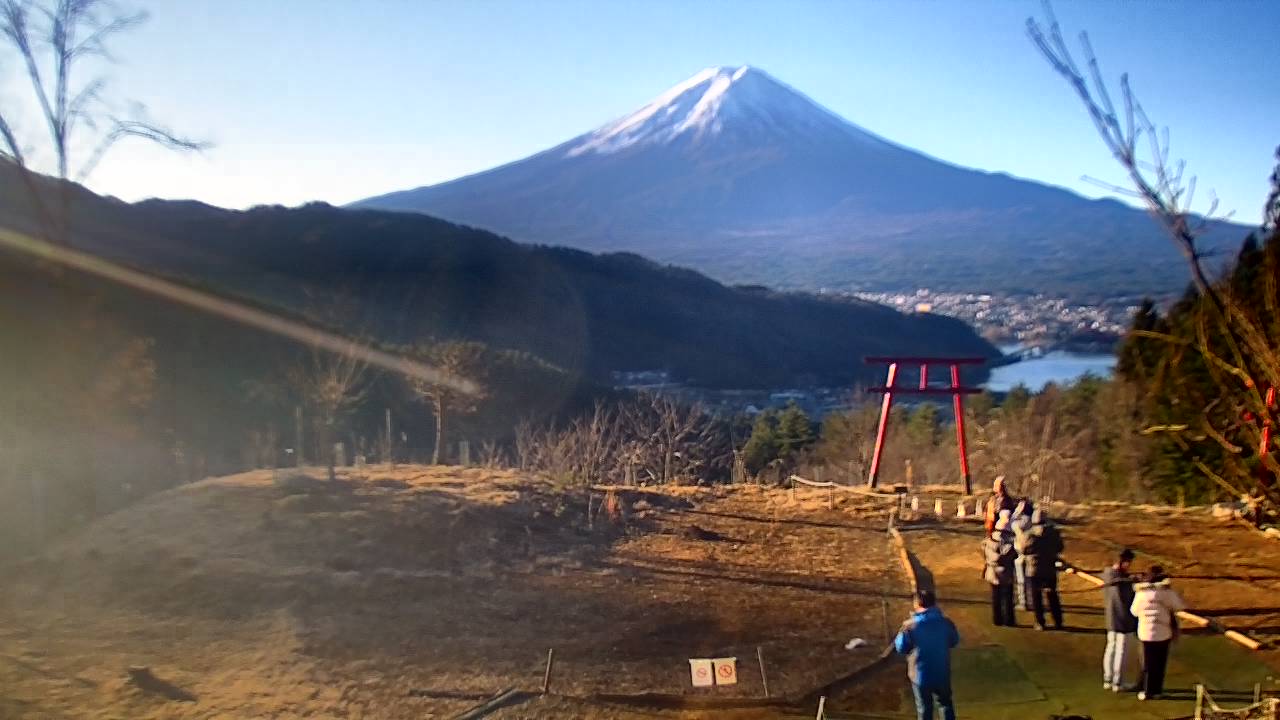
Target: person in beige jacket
[1155,605]
[997,555]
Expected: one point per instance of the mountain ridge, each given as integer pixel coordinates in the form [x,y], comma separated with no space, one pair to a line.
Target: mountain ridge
[417,277]
[701,177]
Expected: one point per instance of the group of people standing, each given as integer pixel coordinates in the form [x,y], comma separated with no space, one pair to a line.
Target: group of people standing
[1144,608]
[1020,553]
[1021,550]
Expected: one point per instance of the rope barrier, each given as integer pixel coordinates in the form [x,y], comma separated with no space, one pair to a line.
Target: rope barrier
[1208,709]
[1183,615]
[812,483]
[852,489]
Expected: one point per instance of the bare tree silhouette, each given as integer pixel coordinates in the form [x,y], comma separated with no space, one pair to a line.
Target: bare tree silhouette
[453,359]
[332,384]
[54,40]
[1239,341]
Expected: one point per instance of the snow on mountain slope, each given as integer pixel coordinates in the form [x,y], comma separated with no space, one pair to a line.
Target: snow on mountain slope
[742,177]
[707,103]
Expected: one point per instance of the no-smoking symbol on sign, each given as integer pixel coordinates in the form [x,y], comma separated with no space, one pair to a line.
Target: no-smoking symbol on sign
[701,672]
[726,671]
[713,671]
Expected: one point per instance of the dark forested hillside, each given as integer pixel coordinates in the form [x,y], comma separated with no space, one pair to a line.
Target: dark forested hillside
[401,277]
[112,392]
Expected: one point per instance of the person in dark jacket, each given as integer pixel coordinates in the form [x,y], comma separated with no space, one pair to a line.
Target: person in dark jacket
[927,639]
[998,556]
[1041,545]
[1121,624]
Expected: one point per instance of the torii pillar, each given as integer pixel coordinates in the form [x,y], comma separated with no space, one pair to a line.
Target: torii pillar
[956,391]
[1265,423]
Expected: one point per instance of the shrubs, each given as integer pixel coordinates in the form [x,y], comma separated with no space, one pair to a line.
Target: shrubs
[651,439]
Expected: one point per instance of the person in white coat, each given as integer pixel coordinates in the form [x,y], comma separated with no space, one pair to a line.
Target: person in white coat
[1155,605]
[1020,524]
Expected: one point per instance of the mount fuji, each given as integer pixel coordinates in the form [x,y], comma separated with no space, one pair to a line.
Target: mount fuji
[742,177]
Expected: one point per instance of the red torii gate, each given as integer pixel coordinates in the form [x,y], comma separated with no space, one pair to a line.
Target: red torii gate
[956,391]
[1266,422]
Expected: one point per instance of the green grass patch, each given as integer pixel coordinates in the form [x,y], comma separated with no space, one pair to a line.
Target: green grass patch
[988,676]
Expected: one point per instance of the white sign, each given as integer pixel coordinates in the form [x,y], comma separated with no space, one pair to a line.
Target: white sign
[726,670]
[701,672]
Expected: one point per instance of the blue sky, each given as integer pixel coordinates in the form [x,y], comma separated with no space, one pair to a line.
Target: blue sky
[329,100]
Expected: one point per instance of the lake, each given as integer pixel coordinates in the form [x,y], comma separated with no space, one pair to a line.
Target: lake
[1056,367]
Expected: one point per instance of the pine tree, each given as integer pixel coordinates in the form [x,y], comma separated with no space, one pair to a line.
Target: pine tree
[923,426]
[1137,353]
[795,430]
[1178,389]
[762,447]
[979,407]
[1015,400]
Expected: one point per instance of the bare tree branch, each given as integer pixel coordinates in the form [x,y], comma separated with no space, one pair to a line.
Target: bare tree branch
[1241,349]
[121,129]
[60,35]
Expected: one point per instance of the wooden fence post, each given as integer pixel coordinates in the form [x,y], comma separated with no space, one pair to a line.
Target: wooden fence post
[764,679]
[297,435]
[388,451]
[546,676]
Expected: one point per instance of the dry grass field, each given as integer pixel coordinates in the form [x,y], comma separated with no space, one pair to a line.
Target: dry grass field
[421,592]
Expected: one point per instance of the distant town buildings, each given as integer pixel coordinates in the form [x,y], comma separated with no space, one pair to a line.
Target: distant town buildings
[1037,323]
[1020,319]
[643,380]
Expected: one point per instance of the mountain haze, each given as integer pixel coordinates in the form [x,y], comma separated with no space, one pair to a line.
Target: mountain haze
[738,175]
[402,278]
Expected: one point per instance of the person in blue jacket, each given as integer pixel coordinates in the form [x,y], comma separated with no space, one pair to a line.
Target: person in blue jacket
[927,639]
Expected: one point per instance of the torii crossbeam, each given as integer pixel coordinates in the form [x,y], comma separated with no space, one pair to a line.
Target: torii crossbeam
[956,391]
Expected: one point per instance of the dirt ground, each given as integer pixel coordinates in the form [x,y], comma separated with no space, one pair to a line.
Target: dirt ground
[1223,569]
[421,592]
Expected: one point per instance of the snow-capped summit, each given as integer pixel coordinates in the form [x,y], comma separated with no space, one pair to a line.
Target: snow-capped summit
[744,98]
[738,175]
